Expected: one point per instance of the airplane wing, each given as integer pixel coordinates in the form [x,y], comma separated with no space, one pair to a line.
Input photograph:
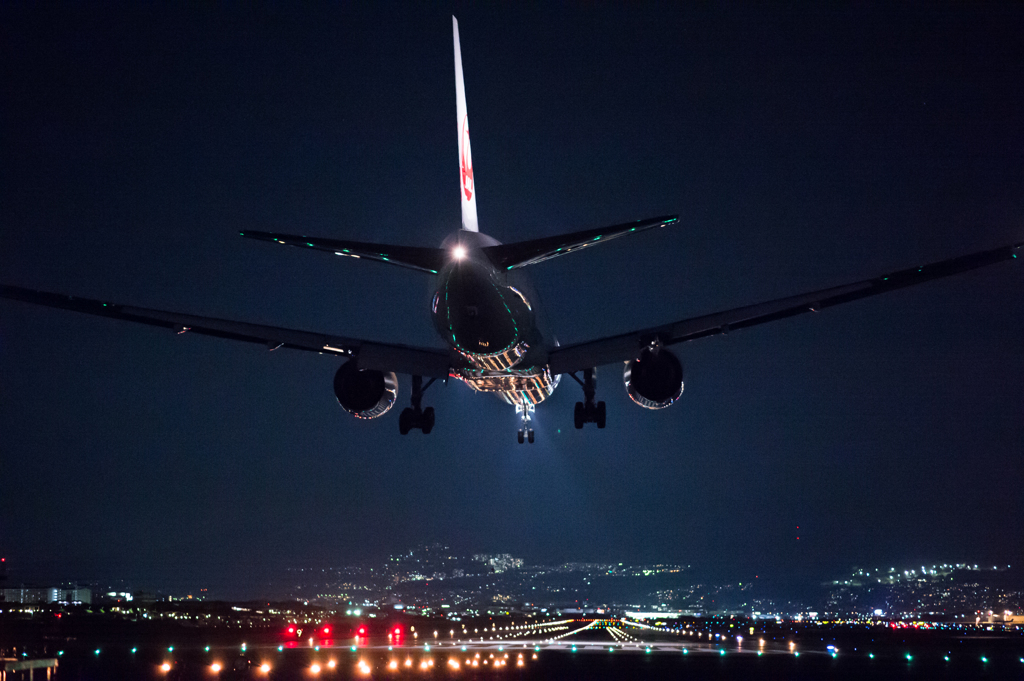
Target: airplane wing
[428,362]
[572,358]
[429,260]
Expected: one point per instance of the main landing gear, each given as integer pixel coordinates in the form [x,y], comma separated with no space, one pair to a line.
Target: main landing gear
[525,433]
[415,416]
[587,411]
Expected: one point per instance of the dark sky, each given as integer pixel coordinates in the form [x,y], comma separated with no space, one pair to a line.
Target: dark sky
[802,148]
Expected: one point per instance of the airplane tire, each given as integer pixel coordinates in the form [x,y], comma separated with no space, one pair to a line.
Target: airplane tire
[428,420]
[600,414]
[577,416]
[520,436]
[404,420]
[529,435]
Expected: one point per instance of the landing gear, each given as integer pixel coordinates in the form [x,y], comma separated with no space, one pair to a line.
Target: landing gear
[588,411]
[525,433]
[415,416]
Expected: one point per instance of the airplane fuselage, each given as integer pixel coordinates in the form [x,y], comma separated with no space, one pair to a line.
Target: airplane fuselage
[491,324]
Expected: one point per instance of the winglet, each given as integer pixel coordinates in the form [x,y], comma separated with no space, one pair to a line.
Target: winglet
[467,188]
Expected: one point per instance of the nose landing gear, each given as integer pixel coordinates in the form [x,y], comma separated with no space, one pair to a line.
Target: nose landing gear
[525,433]
[588,411]
[415,416]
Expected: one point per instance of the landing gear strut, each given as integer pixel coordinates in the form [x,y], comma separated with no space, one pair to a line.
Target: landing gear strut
[587,411]
[525,411]
[415,416]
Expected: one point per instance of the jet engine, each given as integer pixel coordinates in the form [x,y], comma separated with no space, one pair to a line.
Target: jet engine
[365,393]
[655,379]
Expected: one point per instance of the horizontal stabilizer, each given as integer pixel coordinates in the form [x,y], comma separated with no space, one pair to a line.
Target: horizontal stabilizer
[523,253]
[423,259]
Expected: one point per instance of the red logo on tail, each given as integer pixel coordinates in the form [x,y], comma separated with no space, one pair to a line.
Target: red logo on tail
[466,161]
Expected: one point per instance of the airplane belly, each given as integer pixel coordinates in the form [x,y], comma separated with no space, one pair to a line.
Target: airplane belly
[515,386]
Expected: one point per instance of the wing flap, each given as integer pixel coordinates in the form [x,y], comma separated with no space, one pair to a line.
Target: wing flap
[430,362]
[571,358]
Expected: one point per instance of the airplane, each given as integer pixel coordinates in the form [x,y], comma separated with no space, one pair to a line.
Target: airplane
[482,311]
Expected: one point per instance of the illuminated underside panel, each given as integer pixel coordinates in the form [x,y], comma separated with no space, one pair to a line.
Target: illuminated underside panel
[527,386]
[500,361]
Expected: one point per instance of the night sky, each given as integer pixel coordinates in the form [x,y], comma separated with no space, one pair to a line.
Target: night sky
[802,148]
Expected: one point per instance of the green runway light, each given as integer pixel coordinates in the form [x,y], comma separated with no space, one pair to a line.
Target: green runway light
[760,653]
[243,648]
[946,658]
[909,657]
[797,653]
[170,649]
[207,648]
[353,649]
[316,648]
[721,652]
[984,659]
[871,655]
[280,648]
[60,653]
[574,649]
[464,648]
[685,651]
[97,651]
[134,650]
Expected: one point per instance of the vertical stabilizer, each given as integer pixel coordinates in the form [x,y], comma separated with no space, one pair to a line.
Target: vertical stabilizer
[467,188]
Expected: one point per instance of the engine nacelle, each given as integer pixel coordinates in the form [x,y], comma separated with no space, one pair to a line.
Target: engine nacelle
[365,393]
[655,380]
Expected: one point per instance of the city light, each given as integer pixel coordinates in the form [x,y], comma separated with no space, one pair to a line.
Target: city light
[265,668]
[315,668]
[215,667]
[165,667]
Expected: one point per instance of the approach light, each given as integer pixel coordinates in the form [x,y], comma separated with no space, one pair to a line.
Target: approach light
[215,667]
[315,669]
[165,667]
[265,668]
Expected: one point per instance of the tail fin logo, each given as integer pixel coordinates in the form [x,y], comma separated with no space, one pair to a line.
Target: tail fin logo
[466,162]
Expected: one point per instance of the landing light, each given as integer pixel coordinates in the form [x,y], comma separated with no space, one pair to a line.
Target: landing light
[459,252]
